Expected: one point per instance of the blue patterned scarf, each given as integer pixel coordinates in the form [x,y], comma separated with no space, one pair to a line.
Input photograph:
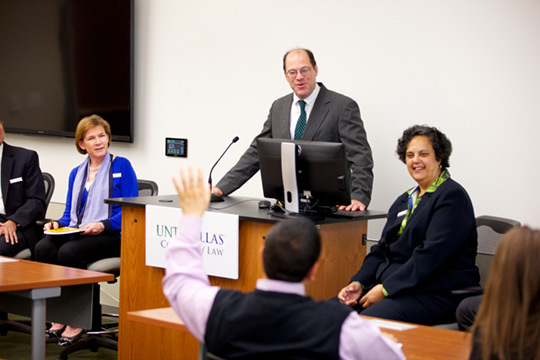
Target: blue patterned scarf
[94,209]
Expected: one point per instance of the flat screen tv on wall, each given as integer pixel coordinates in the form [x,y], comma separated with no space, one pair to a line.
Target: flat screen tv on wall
[62,60]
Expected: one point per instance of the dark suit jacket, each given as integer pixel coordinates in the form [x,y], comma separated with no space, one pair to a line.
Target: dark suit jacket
[23,190]
[334,118]
[436,251]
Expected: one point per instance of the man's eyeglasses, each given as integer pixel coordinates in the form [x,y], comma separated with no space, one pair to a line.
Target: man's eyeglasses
[294,73]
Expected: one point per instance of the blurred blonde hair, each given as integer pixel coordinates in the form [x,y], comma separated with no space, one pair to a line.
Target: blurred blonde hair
[508,321]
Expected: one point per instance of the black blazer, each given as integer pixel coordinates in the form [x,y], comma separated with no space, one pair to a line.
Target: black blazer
[436,251]
[23,190]
[334,118]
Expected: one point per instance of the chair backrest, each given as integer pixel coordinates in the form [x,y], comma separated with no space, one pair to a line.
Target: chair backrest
[112,265]
[147,188]
[48,180]
[490,231]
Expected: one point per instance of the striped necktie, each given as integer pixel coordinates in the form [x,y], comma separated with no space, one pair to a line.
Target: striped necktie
[301,123]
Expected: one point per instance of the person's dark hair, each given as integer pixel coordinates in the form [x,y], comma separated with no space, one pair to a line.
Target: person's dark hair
[308,52]
[291,249]
[439,141]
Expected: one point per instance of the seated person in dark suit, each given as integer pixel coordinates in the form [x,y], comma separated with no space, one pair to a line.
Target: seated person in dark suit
[22,198]
[100,176]
[508,322]
[277,320]
[428,245]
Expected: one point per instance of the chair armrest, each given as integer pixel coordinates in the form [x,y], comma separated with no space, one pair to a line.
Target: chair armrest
[468,291]
[42,222]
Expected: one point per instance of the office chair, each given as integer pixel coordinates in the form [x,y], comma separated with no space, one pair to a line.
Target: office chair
[147,188]
[48,181]
[204,354]
[210,356]
[105,337]
[25,326]
[490,231]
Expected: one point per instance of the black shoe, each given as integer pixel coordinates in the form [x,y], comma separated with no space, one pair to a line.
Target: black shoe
[67,341]
[53,334]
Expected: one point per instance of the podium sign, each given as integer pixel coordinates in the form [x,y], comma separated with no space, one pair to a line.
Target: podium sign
[219,239]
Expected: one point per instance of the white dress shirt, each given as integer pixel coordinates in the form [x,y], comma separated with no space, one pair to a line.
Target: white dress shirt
[295,107]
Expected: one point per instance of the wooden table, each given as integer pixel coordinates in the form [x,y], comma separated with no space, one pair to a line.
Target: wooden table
[428,342]
[22,281]
[420,342]
[140,286]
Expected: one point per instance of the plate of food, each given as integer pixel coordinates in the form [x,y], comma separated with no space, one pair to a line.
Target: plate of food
[63,231]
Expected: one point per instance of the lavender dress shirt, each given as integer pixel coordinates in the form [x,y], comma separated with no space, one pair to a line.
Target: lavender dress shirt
[188,290]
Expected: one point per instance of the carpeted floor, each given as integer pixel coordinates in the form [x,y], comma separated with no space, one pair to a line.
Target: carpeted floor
[16,345]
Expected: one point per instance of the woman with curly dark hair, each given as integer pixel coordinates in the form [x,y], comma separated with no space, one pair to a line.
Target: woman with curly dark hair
[428,245]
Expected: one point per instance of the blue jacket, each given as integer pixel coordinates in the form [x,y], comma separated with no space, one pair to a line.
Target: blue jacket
[123,186]
[436,251]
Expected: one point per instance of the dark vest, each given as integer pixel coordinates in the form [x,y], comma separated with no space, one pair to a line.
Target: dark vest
[276,325]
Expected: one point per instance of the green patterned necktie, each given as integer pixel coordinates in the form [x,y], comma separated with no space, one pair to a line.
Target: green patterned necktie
[301,124]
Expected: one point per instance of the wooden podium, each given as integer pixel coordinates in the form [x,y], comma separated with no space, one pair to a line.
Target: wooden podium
[343,251]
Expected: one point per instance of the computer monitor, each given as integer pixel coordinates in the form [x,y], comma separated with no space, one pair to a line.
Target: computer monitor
[321,174]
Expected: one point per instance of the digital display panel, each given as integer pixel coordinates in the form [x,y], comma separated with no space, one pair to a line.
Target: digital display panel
[176,147]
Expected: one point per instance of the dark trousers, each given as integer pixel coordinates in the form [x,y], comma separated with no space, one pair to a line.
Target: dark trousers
[425,309]
[76,251]
[466,311]
[8,249]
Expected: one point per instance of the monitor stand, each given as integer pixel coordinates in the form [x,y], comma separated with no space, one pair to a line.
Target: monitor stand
[278,211]
[288,175]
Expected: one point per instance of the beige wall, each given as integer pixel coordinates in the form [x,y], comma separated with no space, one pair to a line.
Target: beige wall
[209,70]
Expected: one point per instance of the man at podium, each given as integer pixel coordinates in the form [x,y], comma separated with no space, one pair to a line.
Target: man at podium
[311,112]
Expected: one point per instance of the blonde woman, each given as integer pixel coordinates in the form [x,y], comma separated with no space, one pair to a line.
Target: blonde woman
[508,322]
[100,176]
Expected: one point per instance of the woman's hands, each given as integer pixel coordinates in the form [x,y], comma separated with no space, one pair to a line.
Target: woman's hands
[93,228]
[350,294]
[50,225]
[372,297]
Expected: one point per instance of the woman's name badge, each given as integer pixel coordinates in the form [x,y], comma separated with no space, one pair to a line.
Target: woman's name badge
[117,175]
[402,213]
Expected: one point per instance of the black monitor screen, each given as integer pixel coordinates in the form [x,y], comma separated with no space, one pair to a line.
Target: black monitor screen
[321,169]
[62,60]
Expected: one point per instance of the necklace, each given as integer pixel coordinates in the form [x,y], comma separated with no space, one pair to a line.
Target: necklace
[95,169]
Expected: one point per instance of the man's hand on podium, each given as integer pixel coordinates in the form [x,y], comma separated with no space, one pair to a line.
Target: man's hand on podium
[354,206]
[217,191]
